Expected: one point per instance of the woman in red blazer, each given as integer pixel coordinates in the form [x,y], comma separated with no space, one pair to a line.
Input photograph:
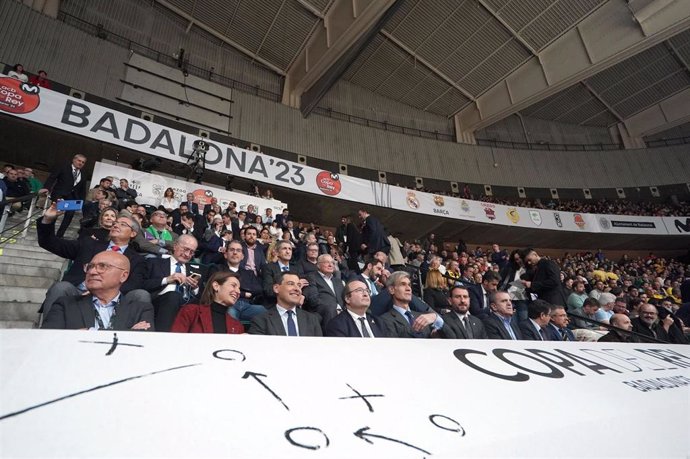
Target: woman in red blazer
[221,292]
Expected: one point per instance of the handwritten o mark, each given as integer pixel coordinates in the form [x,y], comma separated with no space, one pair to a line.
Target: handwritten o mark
[459,428]
[216,355]
[288,436]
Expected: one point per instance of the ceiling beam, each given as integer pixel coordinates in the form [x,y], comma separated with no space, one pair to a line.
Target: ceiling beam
[347,27]
[309,7]
[604,38]
[506,26]
[668,113]
[220,36]
[600,99]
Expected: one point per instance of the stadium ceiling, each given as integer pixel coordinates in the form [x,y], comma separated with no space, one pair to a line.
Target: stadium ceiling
[587,62]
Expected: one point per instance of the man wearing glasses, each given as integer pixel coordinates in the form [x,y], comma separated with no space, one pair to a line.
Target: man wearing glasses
[173,281]
[355,321]
[81,252]
[105,307]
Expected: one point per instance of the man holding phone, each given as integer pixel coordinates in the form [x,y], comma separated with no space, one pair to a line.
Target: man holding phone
[67,182]
[173,281]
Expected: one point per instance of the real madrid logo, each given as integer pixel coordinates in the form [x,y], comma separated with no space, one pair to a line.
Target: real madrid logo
[157,189]
[439,201]
[604,223]
[464,206]
[412,200]
[513,215]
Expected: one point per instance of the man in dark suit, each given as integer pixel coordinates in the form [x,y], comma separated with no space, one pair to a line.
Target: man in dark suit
[188,225]
[649,324]
[459,323]
[623,322]
[479,294]
[283,218]
[400,321]
[192,206]
[82,251]
[355,321]
[498,323]
[271,271]
[538,317]
[213,206]
[104,308]
[286,318]
[374,238]
[370,275]
[67,182]
[543,278]
[324,295]
[173,281]
[125,194]
[308,265]
[558,330]
[250,301]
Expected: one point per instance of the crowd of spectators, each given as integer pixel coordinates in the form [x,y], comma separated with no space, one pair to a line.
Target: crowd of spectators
[39,79]
[187,267]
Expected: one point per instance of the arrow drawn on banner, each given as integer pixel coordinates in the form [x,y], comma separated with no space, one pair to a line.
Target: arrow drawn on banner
[361,433]
[256,377]
[92,389]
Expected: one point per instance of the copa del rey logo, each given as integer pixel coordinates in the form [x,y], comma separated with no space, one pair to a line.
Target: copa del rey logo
[328,183]
[17,97]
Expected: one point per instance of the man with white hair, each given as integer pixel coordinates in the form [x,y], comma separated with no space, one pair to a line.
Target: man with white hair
[606,302]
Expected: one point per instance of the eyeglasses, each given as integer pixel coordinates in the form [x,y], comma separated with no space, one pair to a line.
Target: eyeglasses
[361,290]
[187,250]
[235,250]
[100,267]
[116,223]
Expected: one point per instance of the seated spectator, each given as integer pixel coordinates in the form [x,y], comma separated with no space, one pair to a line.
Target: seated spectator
[18,73]
[81,251]
[168,201]
[16,187]
[356,322]
[400,321]
[309,263]
[286,318]
[588,311]
[578,296]
[251,295]
[606,302]
[459,323]
[558,330]
[649,324]
[211,316]
[173,281]
[435,294]
[101,232]
[125,194]
[41,80]
[212,206]
[617,336]
[188,225]
[35,184]
[104,307]
[271,271]
[481,292]
[160,231]
[539,316]
[105,185]
[599,288]
[498,323]
[254,252]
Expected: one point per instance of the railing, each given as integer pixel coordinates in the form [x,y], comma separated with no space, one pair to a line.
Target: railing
[645,338]
[5,235]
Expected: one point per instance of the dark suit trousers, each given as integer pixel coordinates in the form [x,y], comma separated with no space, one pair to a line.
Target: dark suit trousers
[66,220]
[165,308]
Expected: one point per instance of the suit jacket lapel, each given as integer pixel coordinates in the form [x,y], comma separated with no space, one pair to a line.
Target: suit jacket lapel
[276,321]
[301,322]
[88,313]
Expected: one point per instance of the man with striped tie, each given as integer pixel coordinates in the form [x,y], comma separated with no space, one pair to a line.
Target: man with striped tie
[557,329]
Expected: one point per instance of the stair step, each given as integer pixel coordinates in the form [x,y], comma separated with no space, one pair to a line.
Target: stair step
[32,272]
[19,311]
[11,252]
[23,294]
[21,261]
[21,244]
[19,280]
[17,324]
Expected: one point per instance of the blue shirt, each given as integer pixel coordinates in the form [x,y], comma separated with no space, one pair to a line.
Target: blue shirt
[506,324]
[105,311]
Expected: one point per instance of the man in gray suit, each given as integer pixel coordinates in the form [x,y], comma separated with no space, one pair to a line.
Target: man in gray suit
[104,308]
[459,324]
[286,318]
[400,321]
[324,295]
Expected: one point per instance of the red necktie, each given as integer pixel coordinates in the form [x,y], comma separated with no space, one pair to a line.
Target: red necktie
[115,248]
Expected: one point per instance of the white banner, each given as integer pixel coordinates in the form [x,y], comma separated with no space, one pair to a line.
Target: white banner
[150,189]
[81,394]
[87,119]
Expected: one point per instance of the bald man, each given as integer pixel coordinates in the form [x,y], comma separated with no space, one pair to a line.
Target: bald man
[104,308]
[617,336]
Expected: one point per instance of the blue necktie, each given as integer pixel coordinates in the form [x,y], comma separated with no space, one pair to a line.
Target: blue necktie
[410,317]
[285,269]
[372,287]
[292,329]
[178,269]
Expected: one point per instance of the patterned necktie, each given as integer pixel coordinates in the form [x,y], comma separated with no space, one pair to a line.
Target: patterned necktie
[363,323]
[564,335]
[542,333]
[410,317]
[178,269]
[468,329]
[291,328]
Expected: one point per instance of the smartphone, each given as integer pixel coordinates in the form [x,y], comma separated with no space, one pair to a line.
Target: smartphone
[195,276]
[69,205]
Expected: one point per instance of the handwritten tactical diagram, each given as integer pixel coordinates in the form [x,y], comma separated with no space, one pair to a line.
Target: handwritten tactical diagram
[279,396]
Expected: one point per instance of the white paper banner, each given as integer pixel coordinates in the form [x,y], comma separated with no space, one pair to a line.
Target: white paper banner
[87,119]
[76,394]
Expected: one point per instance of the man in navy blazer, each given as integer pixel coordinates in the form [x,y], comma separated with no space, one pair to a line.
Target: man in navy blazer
[558,330]
[498,323]
[355,321]
[374,238]
[253,250]
[82,251]
[534,328]
[67,182]
[479,294]
[192,206]
[173,281]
